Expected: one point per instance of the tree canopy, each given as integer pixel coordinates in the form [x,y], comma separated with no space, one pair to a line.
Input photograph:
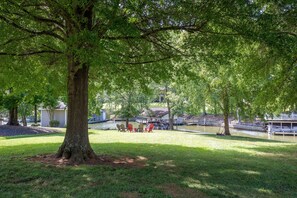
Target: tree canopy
[118,42]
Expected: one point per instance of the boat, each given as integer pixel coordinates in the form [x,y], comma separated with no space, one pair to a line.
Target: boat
[250,127]
[96,121]
[143,120]
[282,127]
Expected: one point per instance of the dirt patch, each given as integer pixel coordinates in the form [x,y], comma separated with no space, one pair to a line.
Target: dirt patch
[123,161]
[176,191]
[6,130]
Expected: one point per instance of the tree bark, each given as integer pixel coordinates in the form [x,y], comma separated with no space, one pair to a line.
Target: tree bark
[226,111]
[76,146]
[204,108]
[226,125]
[13,117]
[170,119]
[127,122]
[24,120]
[35,114]
[215,108]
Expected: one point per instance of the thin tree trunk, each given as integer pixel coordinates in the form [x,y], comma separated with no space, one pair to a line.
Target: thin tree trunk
[127,122]
[215,108]
[35,114]
[169,109]
[204,108]
[24,120]
[170,119]
[226,112]
[13,117]
[226,125]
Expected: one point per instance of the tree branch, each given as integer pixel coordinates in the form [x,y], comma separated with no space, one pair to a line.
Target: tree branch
[30,53]
[44,32]
[149,32]
[286,32]
[144,62]
[17,39]
[36,17]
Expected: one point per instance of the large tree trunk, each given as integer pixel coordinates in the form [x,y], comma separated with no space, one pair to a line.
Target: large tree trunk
[76,146]
[13,117]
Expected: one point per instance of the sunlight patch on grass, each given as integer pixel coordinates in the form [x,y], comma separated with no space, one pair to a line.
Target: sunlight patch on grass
[167,163]
[250,172]
[187,163]
[265,191]
[40,139]
[195,183]
[87,177]
[204,174]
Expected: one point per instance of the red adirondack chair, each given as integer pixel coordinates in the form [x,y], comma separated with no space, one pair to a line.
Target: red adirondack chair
[130,127]
[150,127]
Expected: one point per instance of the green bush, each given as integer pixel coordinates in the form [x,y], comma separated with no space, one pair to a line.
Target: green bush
[35,125]
[54,123]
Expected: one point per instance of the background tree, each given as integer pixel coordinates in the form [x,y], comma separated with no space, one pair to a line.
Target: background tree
[130,102]
[11,102]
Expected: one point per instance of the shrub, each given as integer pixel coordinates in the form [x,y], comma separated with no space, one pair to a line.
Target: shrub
[35,125]
[54,123]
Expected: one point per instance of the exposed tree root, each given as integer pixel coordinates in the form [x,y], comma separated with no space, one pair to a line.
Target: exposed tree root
[76,154]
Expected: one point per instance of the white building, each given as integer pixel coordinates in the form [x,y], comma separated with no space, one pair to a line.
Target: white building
[59,113]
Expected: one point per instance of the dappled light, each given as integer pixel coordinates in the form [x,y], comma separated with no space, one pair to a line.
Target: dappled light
[183,163]
[156,99]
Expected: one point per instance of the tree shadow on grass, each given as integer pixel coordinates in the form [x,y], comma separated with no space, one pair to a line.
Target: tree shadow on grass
[35,135]
[216,173]
[240,138]
[40,135]
[232,137]
[282,151]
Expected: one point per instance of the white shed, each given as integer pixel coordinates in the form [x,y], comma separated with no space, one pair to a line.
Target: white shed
[59,113]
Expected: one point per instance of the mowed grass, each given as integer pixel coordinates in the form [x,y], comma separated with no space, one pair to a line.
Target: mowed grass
[179,164]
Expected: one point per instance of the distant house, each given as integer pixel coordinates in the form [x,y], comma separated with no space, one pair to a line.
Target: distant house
[161,114]
[98,118]
[58,113]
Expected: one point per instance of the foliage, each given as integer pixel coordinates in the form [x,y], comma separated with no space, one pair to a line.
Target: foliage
[95,105]
[130,102]
[11,100]
[54,123]
[123,42]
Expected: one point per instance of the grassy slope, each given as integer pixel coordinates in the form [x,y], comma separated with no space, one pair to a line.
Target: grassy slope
[191,163]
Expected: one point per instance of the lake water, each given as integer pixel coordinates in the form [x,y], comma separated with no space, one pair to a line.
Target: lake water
[205,129]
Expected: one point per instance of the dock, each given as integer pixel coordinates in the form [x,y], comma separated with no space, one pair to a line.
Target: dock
[282,126]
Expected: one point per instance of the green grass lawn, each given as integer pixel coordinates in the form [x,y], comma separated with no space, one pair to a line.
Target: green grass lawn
[179,164]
